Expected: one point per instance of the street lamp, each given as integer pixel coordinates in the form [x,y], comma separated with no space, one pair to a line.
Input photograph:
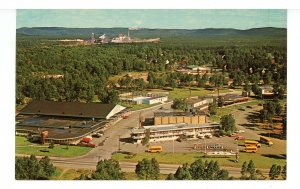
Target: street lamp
[173,145]
[119,143]
[204,145]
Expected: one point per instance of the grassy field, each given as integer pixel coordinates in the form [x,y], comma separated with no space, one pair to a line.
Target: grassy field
[137,106]
[133,176]
[180,158]
[69,174]
[229,109]
[186,92]
[23,146]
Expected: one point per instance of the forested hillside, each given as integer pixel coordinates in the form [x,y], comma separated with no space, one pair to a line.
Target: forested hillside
[47,69]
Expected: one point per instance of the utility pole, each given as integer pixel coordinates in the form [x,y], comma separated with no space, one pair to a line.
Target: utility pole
[173,145]
[204,145]
[119,143]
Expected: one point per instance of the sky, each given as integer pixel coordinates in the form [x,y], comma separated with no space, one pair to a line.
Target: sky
[153,18]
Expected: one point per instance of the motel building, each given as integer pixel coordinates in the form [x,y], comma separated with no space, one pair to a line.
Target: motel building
[174,131]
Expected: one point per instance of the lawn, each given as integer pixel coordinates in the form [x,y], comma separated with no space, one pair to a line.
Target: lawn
[229,109]
[133,176]
[186,92]
[137,106]
[69,174]
[25,147]
[180,158]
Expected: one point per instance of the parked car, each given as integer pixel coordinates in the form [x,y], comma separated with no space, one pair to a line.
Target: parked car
[235,135]
[239,131]
[97,135]
[125,116]
[201,136]
[92,145]
[240,138]
[208,135]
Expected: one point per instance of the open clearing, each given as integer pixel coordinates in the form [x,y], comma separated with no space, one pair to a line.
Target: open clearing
[23,146]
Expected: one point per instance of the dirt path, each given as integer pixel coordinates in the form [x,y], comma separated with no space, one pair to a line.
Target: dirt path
[62,173]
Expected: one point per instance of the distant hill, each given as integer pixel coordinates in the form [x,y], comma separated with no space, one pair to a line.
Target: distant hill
[111,32]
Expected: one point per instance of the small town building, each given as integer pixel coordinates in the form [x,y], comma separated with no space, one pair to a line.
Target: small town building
[200,69]
[145,99]
[267,90]
[198,103]
[174,131]
[234,98]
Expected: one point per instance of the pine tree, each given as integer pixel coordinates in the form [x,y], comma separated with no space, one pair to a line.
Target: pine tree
[183,173]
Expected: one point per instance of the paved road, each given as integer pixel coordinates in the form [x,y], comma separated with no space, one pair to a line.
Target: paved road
[109,142]
[130,167]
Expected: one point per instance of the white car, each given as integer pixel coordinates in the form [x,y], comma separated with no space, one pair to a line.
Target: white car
[240,131]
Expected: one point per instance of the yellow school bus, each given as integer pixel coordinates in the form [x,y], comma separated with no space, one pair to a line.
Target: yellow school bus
[266,140]
[252,143]
[251,149]
[154,149]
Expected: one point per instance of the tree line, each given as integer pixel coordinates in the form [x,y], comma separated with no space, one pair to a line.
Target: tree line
[30,168]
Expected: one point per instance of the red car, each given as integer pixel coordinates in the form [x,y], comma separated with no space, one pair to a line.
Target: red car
[235,135]
[125,116]
[240,138]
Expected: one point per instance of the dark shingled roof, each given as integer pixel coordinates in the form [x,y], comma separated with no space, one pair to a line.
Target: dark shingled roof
[70,109]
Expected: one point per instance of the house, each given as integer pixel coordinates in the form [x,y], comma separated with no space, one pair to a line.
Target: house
[267,90]
[200,69]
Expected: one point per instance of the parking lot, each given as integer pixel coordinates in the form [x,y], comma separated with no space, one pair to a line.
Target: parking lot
[242,123]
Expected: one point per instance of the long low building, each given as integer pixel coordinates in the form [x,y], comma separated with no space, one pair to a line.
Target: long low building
[173,131]
[198,103]
[162,118]
[145,99]
[65,122]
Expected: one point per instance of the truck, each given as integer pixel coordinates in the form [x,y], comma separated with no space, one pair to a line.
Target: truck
[266,140]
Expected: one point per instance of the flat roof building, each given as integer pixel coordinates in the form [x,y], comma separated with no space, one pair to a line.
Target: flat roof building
[172,117]
[198,103]
[174,131]
[145,99]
